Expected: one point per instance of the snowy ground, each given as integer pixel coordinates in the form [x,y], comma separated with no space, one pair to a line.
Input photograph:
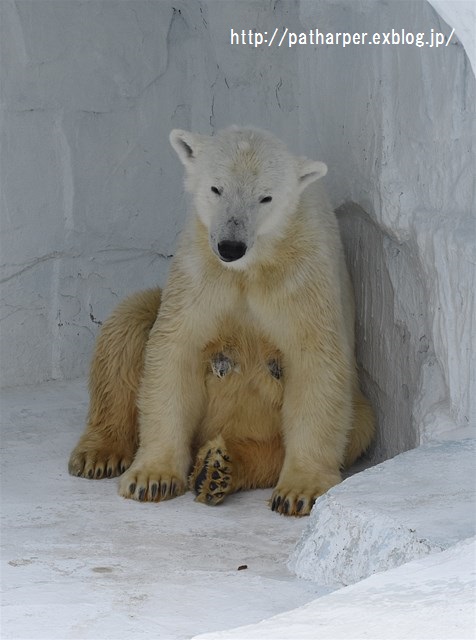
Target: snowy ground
[432,598]
[78,561]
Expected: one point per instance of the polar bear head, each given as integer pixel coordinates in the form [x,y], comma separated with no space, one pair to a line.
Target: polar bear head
[245,186]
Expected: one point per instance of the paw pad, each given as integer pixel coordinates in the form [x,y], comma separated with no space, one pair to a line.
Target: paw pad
[212,481]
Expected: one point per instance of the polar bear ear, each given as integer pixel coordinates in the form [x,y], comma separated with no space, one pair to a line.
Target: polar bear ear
[186,145]
[310,170]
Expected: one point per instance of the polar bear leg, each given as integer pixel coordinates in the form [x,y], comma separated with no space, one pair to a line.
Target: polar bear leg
[363,428]
[109,443]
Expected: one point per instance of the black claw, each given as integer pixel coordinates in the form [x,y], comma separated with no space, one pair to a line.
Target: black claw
[90,473]
[154,491]
[109,472]
[123,468]
[163,489]
[216,475]
[99,473]
[173,489]
[286,507]
[299,506]
[132,487]
[141,494]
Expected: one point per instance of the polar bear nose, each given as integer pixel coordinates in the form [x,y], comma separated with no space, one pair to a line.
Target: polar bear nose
[231,250]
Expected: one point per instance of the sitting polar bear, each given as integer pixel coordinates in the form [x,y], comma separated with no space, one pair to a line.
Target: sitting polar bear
[242,373]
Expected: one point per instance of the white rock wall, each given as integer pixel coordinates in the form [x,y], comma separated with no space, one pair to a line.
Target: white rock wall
[404,152]
[92,199]
[91,190]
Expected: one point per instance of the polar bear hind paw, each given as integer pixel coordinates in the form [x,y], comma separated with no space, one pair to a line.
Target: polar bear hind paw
[211,476]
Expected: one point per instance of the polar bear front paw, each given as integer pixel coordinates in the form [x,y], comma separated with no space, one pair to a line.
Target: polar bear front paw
[297,491]
[211,476]
[293,503]
[150,484]
[96,463]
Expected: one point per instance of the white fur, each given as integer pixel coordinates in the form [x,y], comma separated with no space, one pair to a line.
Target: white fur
[291,287]
[245,165]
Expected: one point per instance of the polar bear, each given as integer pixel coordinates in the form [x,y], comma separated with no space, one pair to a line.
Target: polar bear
[242,372]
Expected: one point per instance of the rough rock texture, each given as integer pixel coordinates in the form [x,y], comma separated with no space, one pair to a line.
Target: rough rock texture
[419,502]
[460,15]
[92,199]
[404,152]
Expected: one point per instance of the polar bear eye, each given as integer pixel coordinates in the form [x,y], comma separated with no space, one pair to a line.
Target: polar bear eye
[217,190]
[266,199]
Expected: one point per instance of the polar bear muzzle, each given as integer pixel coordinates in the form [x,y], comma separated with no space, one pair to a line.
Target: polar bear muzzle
[231,250]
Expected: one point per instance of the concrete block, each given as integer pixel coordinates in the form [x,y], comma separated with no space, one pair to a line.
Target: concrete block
[420,502]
